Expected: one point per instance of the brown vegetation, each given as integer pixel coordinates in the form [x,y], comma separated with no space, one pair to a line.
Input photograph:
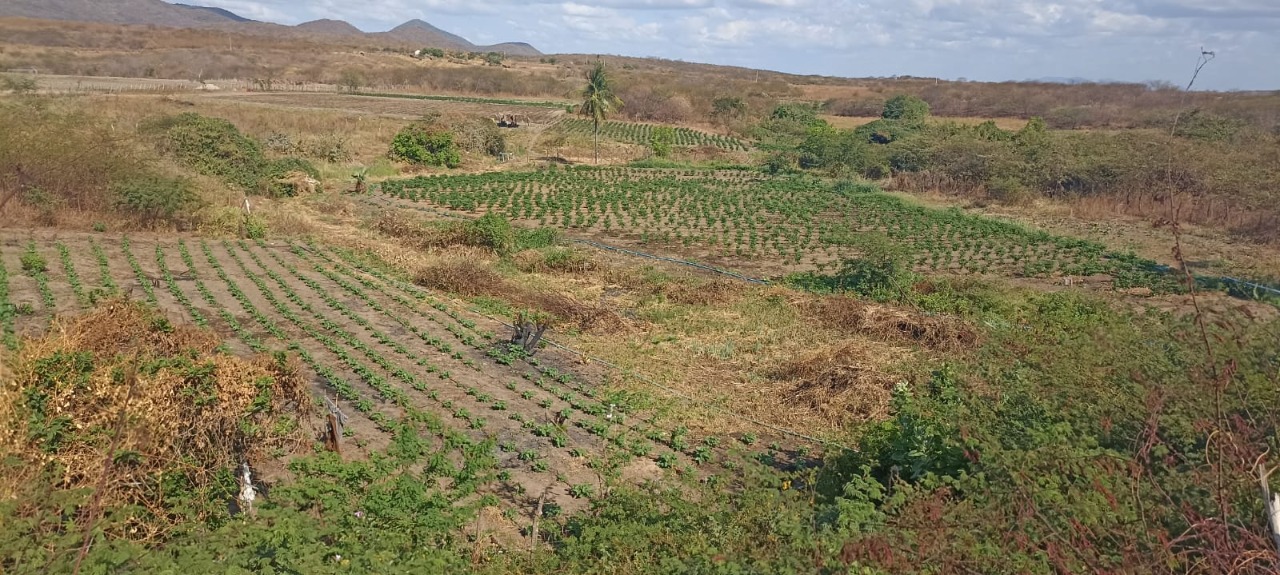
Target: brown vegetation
[852,315]
[183,401]
[841,383]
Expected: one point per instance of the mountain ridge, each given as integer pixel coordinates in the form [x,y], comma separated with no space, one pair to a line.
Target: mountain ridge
[416,33]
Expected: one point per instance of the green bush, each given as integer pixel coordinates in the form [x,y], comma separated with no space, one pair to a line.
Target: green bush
[421,144]
[882,272]
[33,263]
[905,108]
[156,198]
[492,231]
[1201,125]
[662,140]
[215,147]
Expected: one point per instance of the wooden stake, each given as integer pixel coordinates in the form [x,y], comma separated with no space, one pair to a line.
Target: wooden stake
[334,439]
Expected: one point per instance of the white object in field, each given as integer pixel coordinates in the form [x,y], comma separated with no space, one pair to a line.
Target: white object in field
[247,208]
[247,493]
[1270,501]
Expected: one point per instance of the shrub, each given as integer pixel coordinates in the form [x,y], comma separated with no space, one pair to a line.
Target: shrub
[1201,125]
[215,147]
[54,156]
[883,271]
[276,170]
[18,85]
[662,140]
[480,135]
[1009,191]
[492,231]
[905,108]
[156,198]
[423,145]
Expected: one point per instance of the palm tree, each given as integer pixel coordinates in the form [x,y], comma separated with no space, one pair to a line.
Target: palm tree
[598,100]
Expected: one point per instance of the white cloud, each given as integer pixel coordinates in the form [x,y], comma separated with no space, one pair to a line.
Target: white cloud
[981,39]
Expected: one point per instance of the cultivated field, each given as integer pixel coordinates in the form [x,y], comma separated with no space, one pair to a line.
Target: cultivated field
[383,349]
[763,224]
[642,134]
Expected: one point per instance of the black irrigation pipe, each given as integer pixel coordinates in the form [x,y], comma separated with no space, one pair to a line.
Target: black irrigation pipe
[671,260]
[1236,286]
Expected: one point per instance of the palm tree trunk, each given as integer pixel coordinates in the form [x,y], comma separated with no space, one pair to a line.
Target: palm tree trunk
[597,142]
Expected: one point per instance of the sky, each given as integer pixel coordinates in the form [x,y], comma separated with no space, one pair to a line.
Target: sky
[986,40]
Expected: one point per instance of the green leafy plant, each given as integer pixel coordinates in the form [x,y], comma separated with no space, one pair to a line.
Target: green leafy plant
[423,144]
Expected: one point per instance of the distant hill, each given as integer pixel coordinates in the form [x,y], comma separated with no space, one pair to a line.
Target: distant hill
[415,33]
[119,12]
[328,27]
[217,12]
[421,33]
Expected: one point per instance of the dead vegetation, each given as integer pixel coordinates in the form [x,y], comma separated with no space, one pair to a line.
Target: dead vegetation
[851,315]
[160,395]
[843,384]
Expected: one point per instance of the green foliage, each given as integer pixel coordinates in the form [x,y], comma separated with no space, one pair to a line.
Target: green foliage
[215,147]
[662,140]
[493,231]
[882,272]
[727,108]
[424,145]
[799,112]
[1206,126]
[907,109]
[32,262]
[157,198]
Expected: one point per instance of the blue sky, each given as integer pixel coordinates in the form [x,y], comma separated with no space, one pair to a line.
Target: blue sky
[1131,40]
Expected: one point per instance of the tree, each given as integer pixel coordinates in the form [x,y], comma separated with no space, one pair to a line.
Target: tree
[351,81]
[598,100]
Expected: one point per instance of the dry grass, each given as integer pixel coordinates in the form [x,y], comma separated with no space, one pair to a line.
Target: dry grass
[169,403]
[847,314]
[460,275]
[843,384]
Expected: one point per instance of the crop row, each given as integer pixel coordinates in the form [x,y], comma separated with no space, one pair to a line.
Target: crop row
[642,134]
[8,311]
[796,219]
[597,415]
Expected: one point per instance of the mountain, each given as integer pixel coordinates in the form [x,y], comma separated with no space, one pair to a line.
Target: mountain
[326,27]
[420,33]
[414,33]
[512,48]
[217,12]
[118,12]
